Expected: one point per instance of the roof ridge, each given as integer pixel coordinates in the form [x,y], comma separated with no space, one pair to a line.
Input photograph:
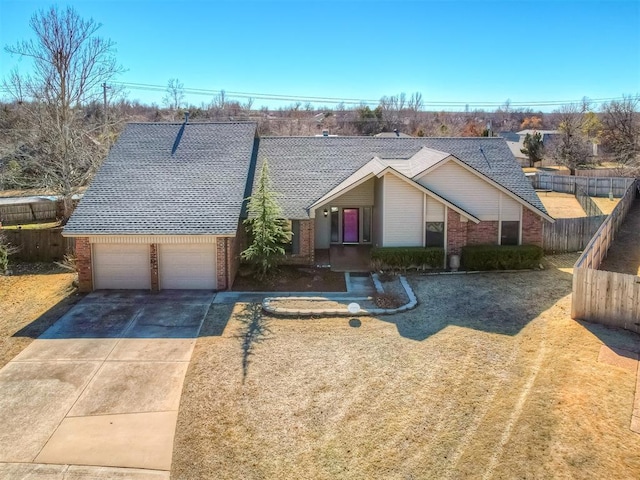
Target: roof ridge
[238,122]
[381,139]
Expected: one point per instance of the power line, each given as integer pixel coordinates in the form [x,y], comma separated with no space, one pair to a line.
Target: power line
[350,101]
[354,101]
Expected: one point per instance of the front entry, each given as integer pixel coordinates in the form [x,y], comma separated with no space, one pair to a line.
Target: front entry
[350,225]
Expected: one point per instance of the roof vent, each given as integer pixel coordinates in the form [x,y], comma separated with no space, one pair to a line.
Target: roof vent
[395,130]
[325,133]
[186,117]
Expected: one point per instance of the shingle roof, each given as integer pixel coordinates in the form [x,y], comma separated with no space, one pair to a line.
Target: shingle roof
[303,169]
[171,179]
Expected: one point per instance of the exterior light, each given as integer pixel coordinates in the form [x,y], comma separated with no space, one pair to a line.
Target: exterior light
[326,212]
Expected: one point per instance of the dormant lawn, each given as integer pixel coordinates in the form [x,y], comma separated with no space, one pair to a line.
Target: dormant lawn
[488,378]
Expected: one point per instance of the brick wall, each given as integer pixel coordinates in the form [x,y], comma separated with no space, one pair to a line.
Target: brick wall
[456,232]
[237,245]
[307,245]
[155,284]
[83,264]
[222,263]
[532,225]
[483,233]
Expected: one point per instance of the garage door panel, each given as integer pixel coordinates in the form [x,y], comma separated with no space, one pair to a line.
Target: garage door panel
[121,266]
[187,266]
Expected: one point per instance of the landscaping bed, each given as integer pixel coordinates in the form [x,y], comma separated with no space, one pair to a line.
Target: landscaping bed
[390,297]
[290,278]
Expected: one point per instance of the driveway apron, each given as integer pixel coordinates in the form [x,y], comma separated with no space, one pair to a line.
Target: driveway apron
[101,387]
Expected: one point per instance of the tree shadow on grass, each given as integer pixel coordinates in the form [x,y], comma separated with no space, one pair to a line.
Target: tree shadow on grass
[255,329]
[501,303]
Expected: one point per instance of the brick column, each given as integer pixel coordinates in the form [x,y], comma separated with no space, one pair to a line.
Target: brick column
[222,263]
[456,232]
[532,225]
[307,240]
[155,284]
[83,264]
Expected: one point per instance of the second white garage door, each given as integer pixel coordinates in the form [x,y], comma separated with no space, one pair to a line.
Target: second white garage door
[187,266]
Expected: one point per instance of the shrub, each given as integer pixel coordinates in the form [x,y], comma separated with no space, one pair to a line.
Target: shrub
[6,249]
[387,300]
[501,257]
[405,258]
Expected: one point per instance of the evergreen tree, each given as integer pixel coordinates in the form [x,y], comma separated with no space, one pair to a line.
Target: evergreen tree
[533,147]
[266,227]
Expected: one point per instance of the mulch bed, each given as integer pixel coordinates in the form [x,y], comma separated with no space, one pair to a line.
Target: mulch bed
[291,278]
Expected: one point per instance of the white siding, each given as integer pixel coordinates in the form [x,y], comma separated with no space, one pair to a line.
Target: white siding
[510,210]
[464,189]
[360,196]
[121,266]
[435,210]
[403,216]
[322,229]
[378,213]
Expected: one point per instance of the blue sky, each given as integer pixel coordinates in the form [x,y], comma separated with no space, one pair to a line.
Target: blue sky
[450,51]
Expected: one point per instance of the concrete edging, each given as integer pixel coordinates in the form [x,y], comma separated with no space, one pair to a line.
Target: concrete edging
[289,312]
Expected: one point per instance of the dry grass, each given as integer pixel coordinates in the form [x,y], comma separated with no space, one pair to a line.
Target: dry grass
[32,226]
[565,205]
[561,205]
[605,204]
[494,382]
[30,301]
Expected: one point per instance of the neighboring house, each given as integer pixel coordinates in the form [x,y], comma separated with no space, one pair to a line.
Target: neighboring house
[165,209]
[515,142]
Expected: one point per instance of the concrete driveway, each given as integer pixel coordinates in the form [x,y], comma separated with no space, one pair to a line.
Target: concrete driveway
[101,387]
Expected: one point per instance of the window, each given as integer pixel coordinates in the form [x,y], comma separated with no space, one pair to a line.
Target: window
[292,247]
[510,233]
[435,234]
[366,225]
[335,225]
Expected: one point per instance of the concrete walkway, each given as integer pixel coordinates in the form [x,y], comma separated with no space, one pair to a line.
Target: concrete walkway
[358,285]
[100,388]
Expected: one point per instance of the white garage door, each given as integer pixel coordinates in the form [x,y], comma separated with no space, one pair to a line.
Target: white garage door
[187,265]
[121,265]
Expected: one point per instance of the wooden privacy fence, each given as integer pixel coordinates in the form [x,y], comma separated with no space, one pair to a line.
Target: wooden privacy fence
[586,202]
[570,234]
[43,245]
[592,186]
[606,297]
[16,213]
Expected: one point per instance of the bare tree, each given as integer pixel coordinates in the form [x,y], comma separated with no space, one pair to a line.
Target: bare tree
[415,102]
[571,148]
[70,63]
[174,97]
[621,131]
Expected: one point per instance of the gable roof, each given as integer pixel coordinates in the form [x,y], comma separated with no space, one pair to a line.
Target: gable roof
[169,179]
[304,169]
[408,171]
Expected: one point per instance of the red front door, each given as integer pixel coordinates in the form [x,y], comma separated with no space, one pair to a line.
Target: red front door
[350,225]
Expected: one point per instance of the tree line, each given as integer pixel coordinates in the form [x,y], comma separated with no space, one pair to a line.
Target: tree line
[60,119]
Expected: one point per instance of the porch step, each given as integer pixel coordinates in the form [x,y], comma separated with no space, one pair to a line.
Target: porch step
[359,285]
